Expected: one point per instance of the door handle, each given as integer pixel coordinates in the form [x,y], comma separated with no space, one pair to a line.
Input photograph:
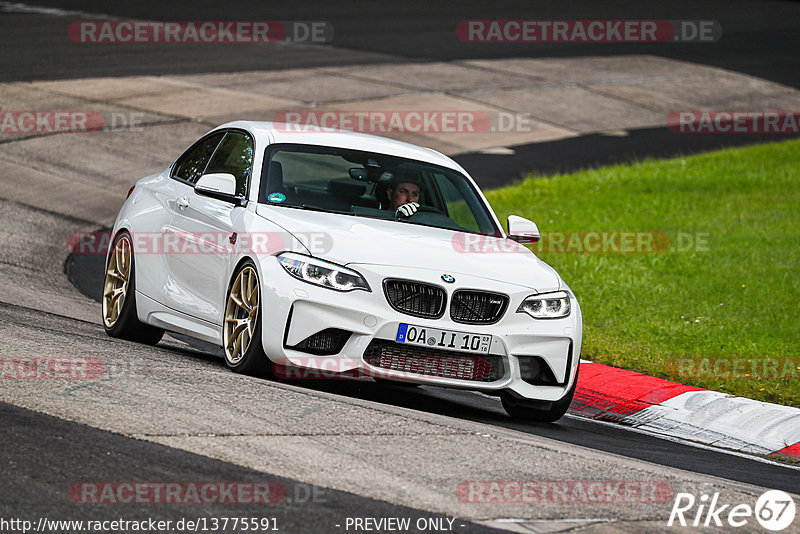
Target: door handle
[182,202]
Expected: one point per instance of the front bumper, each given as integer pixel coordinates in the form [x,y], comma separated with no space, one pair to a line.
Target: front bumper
[294,310]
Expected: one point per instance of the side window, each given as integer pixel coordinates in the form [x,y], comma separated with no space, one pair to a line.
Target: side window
[193,162]
[234,156]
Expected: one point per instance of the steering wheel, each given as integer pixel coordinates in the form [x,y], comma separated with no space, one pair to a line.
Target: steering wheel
[428,209]
[420,209]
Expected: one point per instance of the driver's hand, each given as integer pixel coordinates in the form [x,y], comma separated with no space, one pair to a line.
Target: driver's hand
[407,210]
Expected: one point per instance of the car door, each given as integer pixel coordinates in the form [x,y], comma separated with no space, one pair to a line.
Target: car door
[154,203]
[185,173]
[205,226]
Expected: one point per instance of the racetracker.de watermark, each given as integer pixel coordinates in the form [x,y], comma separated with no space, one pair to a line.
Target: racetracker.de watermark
[587,31]
[199,31]
[412,121]
[564,491]
[47,122]
[208,492]
[315,367]
[42,121]
[734,122]
[553,242]
[177,242]
[586,242]
[728,368]
[50,368]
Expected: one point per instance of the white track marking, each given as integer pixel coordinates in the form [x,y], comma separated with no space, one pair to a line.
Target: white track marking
[690,443]
[15,7]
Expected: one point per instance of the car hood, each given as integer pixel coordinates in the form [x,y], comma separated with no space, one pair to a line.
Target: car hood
[350,240]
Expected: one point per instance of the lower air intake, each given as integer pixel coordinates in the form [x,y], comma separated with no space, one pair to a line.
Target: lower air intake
[433,362]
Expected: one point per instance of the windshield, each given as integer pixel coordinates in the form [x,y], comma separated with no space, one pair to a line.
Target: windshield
[372,185]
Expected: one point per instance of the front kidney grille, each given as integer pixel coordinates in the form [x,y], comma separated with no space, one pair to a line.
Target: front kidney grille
[415,298]
[477,307]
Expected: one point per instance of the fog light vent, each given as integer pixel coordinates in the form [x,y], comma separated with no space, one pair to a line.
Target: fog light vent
[534,370]
[326,342]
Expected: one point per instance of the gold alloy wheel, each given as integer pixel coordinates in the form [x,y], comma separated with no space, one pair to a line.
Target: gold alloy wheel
[241,314]
[118,275]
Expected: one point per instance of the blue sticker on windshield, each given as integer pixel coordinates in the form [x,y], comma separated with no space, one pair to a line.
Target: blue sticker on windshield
[276,198]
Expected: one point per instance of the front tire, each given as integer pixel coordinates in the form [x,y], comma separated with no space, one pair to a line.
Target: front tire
[120,318]
[241,336]
[526,410]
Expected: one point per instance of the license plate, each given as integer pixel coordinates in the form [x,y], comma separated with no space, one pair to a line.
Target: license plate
[443,339]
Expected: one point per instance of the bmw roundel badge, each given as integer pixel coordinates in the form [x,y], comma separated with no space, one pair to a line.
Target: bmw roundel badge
[447,278]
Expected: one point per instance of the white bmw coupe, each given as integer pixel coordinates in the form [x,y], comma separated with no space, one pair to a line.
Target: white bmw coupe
[344,253]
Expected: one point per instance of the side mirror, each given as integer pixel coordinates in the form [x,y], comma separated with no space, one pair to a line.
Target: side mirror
[219,185]
[218,182]
[522,230]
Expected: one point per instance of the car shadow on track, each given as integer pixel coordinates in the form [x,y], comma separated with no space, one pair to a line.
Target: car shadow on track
[471,406]
[462,404]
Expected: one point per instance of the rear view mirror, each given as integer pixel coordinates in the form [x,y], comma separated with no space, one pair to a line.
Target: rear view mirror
[522,230]
[370,175]
[359,173]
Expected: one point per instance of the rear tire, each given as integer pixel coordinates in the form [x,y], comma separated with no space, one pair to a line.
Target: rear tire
[527,410]
[241,334]
[120,318]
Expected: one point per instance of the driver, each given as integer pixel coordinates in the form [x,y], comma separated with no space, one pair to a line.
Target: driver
[403,194]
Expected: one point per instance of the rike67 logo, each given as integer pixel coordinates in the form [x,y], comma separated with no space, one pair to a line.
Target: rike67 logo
[774,510]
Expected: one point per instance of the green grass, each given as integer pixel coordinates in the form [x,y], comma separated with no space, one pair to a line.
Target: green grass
[737,297]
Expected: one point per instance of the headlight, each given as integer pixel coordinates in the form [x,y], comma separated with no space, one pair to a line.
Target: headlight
[322,273]
[546,306]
